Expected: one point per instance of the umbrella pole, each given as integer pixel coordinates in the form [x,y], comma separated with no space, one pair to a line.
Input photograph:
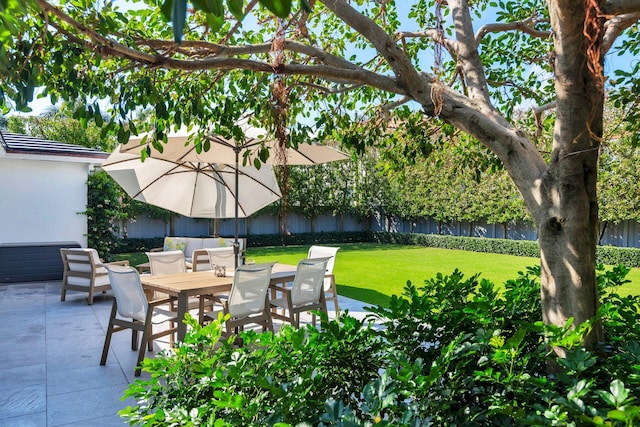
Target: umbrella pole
[236,245]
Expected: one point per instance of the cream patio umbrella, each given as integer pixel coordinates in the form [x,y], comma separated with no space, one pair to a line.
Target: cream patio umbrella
[179,147]
[193,188]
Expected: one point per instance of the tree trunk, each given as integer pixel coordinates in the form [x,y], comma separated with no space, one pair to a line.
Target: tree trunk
[567,218]
[312,224]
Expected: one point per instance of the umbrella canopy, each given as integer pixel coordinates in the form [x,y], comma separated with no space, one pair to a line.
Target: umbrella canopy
[225,150]
[193,188]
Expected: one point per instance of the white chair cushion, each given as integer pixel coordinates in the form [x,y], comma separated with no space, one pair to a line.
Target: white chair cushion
[84,281]
[192,243]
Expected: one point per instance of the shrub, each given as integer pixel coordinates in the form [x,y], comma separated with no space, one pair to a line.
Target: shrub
[282,378]
[451,352]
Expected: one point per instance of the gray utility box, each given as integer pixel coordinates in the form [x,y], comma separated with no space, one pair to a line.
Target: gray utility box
[32,262]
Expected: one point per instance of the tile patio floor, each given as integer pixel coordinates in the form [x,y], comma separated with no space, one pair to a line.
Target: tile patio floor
[49,362]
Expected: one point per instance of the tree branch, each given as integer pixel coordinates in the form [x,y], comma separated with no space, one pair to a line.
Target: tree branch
[406,74]
[468,56]
[537,113]
[620,7]
[113,46]
[615,26]
[200,49]
[433,34]
[526,26]
[324,89]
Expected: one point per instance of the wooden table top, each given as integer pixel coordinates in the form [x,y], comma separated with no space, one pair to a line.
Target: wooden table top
[206,281]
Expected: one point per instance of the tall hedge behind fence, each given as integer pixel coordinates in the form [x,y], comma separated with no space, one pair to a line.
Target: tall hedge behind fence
[610,255]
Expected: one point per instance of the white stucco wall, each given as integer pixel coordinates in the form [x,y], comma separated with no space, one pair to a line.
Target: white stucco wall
[40,201]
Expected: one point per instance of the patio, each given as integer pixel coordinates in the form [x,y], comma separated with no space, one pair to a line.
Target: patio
[49,367]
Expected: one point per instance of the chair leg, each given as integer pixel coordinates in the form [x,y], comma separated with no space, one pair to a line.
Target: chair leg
[269,322]
[107,339]
[334,294]
[295,319]
[134,339]
[143,346]
[90,295]
[63,290]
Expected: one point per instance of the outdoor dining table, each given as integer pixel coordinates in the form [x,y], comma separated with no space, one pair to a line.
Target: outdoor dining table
[185,285]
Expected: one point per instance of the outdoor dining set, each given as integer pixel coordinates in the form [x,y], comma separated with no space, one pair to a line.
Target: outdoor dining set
[245,294]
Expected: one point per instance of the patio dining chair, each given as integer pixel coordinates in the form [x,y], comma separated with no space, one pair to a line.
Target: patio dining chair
[305,294]
[248,300]
[84,272]
[132,310]
[222,257]
[330,290]
[169,262]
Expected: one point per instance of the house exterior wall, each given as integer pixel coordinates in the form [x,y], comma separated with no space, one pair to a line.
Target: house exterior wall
[41,201]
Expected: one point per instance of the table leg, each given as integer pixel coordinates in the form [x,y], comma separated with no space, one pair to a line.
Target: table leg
[183,301]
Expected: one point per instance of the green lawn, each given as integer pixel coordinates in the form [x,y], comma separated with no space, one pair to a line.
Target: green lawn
[372,272]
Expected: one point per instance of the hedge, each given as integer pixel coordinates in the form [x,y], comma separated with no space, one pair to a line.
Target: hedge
[609,255]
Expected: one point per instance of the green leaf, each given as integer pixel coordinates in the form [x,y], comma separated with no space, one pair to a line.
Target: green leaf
[280,8]
[178,18]
[166,8]
[209,6]
[305,6]
[236,7]
[214,22]
[619,392]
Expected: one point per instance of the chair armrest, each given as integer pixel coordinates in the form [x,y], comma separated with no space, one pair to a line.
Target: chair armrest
[156,249]
[279,287]
[124,263]
[157,302]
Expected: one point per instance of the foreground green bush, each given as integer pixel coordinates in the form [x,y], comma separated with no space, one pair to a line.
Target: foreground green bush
[451,352]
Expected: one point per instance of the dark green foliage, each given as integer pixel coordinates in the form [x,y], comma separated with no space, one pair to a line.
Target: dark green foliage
[286,377]
[474,244]
[611,255]
[103,213]
[125,246]
[608,255]
[454,351]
